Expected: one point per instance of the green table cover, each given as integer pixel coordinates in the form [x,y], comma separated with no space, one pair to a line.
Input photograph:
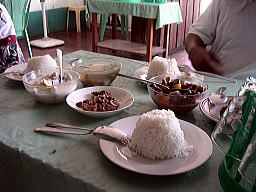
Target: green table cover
[38,162]
[165,13]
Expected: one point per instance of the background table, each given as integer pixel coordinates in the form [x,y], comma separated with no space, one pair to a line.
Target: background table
[38,162]
[164,14]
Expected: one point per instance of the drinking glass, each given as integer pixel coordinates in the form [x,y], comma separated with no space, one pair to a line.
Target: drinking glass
[232,131]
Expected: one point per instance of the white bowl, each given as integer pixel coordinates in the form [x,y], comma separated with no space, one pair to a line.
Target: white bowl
[125,98]
[52,94]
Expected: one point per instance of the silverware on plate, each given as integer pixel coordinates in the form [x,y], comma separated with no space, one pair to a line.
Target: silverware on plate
[143,80]
[185,68]
[217,98]
[103,132]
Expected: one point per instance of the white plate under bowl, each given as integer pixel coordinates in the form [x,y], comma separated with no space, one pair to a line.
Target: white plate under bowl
[212,113]
[20,68]
[143,71]
[124,97]
[193,135]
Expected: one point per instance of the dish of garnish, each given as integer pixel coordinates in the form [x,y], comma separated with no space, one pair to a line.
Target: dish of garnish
[100,101]
[213,112]
[16,72]
[159,162]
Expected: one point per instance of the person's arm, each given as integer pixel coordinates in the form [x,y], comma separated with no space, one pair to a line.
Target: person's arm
[202,33]
[201,59]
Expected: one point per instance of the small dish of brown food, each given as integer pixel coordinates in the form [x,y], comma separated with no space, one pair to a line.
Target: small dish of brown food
[100,101]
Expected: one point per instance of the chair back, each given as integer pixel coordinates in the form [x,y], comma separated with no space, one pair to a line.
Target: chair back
[19,12]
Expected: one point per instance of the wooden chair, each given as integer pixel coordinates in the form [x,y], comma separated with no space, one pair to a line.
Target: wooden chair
[77,10]
[19,12]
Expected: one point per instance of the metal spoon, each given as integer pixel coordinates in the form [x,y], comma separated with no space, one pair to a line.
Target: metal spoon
[143,80]
[218,97]
[185,68]
[59,56]
[76,61]
[103,132]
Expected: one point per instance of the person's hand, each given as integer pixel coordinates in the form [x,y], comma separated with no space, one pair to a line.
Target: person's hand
[203,60]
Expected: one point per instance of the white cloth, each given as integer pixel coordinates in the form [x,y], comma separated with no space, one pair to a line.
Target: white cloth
[6,24]
[230,27]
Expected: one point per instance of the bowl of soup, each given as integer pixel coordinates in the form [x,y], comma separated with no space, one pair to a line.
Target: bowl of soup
[98,71]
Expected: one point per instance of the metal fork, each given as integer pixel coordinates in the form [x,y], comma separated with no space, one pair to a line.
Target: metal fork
[103,132]
[185,68]
[144,80]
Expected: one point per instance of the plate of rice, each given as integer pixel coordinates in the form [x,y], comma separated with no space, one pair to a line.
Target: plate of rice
[160,144]
[162,66]
[16,72]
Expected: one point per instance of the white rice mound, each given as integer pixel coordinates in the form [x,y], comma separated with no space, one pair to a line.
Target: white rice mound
[158,135]
[163,66]
[40,63]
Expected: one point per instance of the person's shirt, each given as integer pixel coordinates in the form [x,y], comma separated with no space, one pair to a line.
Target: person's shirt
[6,24]
[230,27]
[10,52]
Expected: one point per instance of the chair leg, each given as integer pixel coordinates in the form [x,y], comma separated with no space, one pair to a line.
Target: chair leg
[28,44]
[67,19]
[127,26]
[77,21]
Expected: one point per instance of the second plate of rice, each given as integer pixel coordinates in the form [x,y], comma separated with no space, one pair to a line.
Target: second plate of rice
[193,135]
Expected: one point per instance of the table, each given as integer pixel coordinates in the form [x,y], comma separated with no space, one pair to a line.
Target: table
[164,14]
[37,162]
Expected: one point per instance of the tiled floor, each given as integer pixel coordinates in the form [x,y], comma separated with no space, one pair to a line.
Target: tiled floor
[82,41]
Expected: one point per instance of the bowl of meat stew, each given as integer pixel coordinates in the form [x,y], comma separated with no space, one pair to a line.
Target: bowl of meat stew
[183,94]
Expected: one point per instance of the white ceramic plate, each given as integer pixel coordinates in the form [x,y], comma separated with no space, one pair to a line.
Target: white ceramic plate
[143,71]
[212,113]
[125,98]
[193,135]
[20,68]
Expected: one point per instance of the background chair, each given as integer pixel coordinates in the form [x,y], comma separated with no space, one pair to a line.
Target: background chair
[19,12]
[77,10]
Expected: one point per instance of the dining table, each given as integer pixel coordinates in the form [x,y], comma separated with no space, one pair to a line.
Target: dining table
[31,161]
[163,14]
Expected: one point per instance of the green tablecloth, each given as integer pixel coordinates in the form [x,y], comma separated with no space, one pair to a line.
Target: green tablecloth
[165,13]
[37,162]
